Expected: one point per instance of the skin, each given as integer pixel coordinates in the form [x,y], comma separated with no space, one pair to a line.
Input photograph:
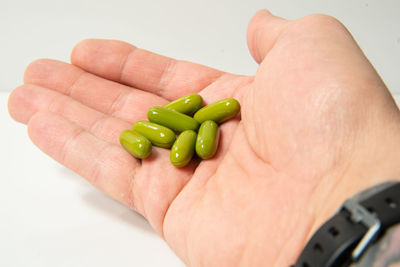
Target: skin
[317,126]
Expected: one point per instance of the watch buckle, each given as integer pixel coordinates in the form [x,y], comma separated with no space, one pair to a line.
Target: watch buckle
[359,214]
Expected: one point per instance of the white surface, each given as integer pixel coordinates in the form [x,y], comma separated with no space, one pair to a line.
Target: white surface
[51,217]
[210,32]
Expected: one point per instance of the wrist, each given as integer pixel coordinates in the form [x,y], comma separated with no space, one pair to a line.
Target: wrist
[372,165]
[357,181]
[374,159]
[357,225]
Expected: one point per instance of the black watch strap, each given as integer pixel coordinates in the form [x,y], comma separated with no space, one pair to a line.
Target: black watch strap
[343,239]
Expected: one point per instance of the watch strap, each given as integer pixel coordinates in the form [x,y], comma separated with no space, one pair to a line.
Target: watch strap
[344,237]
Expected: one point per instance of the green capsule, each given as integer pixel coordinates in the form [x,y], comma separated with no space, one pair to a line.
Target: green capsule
[187,105]
[219,111]
[157,134]
[136,144]
[172,119]
[183,149]
[207,139]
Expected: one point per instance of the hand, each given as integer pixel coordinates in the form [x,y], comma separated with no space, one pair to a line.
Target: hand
[317,126]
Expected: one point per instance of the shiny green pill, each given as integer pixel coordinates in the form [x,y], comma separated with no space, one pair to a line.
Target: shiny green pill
[188,104]
[172,119]
[157,134]
[183,149]
[207,139]
[135,143]
[219,111]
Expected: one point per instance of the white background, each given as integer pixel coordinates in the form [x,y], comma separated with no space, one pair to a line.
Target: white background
[51,217]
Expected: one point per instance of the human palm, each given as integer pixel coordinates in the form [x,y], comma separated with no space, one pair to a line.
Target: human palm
[310,123]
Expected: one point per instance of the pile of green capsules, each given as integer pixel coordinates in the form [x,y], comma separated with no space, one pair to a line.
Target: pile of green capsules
[198,134]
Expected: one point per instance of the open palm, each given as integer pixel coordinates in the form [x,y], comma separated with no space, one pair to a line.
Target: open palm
[284,167]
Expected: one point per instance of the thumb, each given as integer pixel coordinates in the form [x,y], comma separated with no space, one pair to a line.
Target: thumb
[262,32]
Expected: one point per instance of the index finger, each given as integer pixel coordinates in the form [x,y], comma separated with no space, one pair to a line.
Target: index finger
[127,64]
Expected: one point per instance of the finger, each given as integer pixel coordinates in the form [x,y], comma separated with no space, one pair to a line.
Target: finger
[262,33]
[106,166]
[26,100]
[149,187]
[97,93]
[124,63]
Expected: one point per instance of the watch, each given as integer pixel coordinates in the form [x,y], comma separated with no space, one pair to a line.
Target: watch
[360,222]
